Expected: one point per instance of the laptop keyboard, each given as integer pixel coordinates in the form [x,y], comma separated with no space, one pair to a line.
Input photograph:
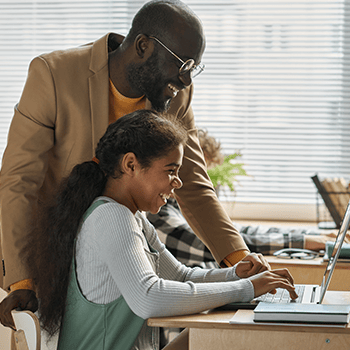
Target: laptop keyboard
[282,296]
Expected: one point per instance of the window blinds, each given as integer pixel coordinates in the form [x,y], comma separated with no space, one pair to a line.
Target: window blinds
[275,86]
[29,28]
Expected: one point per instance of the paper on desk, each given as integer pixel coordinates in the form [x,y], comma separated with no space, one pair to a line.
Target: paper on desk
[247,317]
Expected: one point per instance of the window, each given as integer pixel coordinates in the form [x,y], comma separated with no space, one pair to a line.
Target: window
[275,87]
[29,28]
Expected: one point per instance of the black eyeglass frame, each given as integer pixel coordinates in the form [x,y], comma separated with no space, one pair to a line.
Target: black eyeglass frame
[186,66]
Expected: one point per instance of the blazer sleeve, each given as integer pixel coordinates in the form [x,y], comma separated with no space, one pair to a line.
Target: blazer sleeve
[197,198]
[24,164]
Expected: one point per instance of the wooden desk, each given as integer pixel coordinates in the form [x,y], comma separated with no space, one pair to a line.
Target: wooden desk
[212,331]
[311,271]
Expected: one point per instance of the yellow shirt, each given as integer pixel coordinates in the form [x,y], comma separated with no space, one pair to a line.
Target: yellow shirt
[120,105]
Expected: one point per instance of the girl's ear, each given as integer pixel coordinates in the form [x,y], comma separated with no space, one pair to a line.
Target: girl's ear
[129,163]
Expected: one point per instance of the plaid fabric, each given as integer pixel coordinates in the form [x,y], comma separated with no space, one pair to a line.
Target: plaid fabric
[179,238]
[174,231]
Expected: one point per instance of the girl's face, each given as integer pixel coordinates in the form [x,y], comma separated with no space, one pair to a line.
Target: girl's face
[154,185]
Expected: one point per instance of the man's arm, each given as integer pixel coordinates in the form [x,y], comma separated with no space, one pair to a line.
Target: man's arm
[197,198]
[24,165]
[205,214]
[267,240]
[199,203]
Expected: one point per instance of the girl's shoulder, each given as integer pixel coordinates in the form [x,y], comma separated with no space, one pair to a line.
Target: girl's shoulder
[105,209]
[110,217]
[109,204]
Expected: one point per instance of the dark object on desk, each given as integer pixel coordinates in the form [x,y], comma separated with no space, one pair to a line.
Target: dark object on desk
[335,194]
[327,225]
[294,253]
[249,305]
[313,313]
[344,251]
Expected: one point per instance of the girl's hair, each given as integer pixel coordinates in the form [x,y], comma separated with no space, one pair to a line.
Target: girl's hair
[49,250]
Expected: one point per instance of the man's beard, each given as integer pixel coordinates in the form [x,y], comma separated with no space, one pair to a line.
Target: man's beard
[149,80]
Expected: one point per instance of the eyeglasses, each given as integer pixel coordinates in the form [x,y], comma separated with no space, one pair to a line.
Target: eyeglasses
[188,66]
[294,253]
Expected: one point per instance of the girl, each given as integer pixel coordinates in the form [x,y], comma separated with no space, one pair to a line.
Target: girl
[99,268]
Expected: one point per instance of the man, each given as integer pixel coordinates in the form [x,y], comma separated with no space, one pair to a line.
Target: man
[68,100]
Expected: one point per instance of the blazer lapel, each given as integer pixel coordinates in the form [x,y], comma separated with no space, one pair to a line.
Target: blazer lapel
[98,89]
[99,105]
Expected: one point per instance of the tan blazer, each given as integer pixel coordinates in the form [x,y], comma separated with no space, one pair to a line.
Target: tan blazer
[62,113]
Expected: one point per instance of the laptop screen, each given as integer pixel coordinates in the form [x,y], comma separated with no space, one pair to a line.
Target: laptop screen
[333,256]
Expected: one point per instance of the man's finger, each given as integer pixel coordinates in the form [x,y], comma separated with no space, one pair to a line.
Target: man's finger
[7,321]
[23,299]
[259,264]
[32,305]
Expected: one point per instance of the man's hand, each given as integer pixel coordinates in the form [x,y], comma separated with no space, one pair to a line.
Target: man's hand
[20,299]
[318,242]
[251,265]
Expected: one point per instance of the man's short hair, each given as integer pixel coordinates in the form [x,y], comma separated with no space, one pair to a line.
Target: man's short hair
[156,18]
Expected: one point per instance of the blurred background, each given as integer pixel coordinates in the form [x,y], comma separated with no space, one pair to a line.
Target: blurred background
[275,88]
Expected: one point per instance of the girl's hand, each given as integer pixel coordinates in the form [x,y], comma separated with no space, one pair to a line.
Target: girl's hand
[268,281]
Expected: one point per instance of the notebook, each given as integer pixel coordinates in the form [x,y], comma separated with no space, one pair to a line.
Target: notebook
[308,293]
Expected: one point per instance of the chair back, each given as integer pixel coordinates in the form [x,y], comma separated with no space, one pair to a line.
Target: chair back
[5,332]
[27,336]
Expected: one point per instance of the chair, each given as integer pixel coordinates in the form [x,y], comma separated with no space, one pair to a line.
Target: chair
[5,333]
[27,336]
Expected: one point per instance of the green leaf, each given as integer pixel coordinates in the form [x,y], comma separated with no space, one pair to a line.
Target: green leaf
[225,174]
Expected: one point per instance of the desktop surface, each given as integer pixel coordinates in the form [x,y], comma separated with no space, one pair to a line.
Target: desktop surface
[212,330]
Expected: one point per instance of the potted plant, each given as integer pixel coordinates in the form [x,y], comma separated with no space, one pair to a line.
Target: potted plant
[221,169]
[226,173]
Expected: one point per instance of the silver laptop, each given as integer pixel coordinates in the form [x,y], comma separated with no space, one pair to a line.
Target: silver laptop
[307,293]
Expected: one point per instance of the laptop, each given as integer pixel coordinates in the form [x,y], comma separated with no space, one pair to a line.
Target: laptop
[307,293]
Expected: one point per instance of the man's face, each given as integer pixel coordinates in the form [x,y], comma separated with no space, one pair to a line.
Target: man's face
[158,78]
[153,82]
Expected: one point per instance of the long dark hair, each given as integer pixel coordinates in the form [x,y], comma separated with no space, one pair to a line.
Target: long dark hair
[49,251]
